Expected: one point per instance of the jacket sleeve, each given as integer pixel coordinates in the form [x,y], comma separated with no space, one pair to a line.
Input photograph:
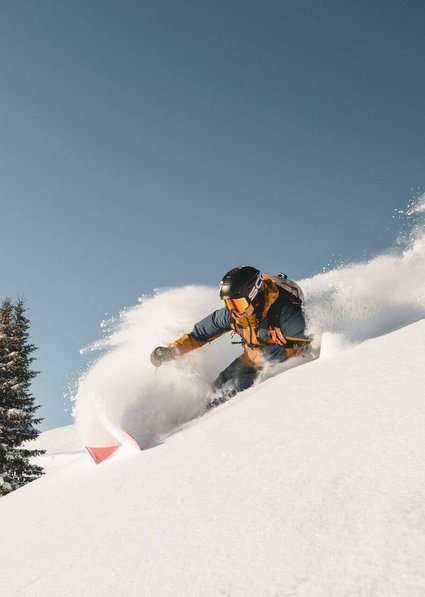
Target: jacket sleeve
[207,330]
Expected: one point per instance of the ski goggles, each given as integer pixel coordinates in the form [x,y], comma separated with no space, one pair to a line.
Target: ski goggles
[239,305]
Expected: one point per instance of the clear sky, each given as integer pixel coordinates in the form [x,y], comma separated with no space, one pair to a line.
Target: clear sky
[154,143]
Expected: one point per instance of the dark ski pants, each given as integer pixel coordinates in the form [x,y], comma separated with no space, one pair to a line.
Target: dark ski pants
[238,376]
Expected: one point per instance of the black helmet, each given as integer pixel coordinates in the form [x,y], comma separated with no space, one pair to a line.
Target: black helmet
[241,282]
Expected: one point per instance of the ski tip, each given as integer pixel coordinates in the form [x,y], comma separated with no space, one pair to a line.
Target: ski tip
[101,454]
[131,440]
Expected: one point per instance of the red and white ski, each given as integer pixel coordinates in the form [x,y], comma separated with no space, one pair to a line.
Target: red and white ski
[101,453]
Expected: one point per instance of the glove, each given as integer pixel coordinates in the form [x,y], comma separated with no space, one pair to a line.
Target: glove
[160,355]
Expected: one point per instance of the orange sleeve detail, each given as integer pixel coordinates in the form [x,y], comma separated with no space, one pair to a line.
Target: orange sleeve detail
[186,344]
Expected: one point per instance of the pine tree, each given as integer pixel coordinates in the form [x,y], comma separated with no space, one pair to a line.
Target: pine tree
[17,409]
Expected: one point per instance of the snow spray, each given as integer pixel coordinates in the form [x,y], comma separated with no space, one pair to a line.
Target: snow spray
[363,300]
[122,388]
[345,306]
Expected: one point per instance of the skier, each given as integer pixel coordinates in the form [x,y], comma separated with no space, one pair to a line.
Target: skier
[265,311]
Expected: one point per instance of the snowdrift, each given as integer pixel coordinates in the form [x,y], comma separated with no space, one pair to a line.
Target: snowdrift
[312,483]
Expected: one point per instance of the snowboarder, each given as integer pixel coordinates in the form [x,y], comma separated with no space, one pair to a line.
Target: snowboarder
[265,311]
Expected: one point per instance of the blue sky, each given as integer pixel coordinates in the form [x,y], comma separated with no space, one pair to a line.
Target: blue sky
[148,144]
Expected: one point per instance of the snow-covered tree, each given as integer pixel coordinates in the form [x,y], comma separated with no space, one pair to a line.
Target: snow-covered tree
[17,408]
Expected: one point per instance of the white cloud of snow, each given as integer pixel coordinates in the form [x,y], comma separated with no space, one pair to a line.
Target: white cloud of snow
[344,306]
[123,389]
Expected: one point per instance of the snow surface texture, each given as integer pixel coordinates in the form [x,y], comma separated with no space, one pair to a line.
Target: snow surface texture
[62,447]
[311,484]
[344,306]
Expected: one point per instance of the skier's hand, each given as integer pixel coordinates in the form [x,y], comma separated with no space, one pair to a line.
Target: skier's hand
[160,355]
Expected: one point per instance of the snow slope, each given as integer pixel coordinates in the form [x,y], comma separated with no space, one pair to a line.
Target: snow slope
[62,446]
[310,484]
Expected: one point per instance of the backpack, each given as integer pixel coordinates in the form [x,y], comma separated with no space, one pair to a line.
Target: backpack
[288,288]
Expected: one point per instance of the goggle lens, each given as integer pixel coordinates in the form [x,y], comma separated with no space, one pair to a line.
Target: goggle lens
[240,305]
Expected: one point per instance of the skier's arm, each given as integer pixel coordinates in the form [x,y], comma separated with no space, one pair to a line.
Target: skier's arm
[207,330]
[204,331]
